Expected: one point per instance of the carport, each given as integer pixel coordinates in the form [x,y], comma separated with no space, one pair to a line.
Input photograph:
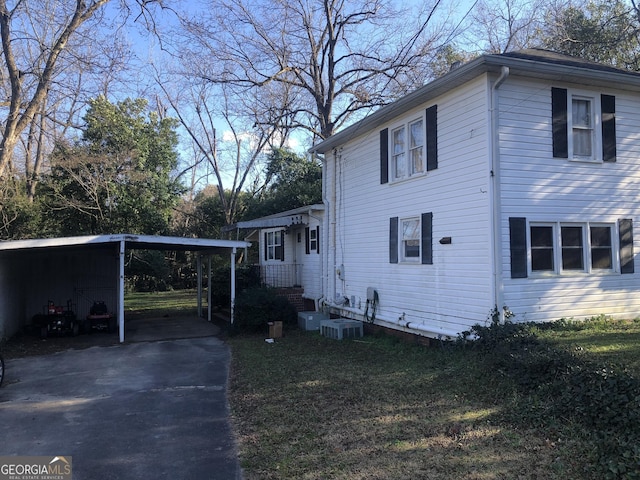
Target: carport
[88,267]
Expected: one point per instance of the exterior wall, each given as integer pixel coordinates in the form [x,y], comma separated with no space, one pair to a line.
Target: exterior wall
[454,292]
[11,303]
[545,189]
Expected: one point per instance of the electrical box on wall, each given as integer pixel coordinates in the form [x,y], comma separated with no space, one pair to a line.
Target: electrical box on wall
[371,293]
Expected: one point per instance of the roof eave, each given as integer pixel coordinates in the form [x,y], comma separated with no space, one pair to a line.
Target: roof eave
[484,64]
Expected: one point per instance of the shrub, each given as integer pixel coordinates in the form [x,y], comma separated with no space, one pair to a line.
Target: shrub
[257,306]
[568,386]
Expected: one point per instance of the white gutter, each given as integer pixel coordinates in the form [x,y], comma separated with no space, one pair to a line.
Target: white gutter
[495,198]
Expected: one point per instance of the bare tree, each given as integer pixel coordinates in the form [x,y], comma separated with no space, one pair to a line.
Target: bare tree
[226,138]
[499,26]
[337,58]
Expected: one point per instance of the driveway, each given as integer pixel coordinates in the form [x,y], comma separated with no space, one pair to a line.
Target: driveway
[152,408]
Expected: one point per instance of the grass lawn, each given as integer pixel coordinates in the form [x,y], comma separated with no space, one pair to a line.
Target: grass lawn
[308,407]
[158,304]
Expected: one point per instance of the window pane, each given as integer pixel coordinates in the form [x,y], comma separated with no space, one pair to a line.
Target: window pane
[412,248]
[582,142]
[417,134]
[542,248]
[581,113]
[411,238]
[601,249]
[398,141]
[398,166]
[572,248]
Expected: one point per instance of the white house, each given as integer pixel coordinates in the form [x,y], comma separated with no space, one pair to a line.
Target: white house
[290,250]
[509,184]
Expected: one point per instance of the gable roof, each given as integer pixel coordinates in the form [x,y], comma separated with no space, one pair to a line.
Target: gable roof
[534,63]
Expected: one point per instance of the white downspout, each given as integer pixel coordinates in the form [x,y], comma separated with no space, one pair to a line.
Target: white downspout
[121,292]
[331,257]
[495,199]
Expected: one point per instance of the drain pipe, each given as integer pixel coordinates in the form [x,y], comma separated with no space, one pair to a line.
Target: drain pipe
[495,199]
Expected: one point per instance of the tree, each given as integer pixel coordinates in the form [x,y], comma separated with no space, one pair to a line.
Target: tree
[292,181]
[601,31]
[499,26]
[324,61]
[118,177]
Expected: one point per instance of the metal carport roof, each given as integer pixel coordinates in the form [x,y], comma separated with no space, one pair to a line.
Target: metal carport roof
[120,242]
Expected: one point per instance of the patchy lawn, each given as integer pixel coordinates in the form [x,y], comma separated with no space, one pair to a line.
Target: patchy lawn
[307,407]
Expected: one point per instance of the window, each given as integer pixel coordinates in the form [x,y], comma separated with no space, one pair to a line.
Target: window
[274,248]
[542,248]
[407,156]
[582,122]
[601,248]
[573,250]
[313,240]
[410,241]
[583,125]
[398,156]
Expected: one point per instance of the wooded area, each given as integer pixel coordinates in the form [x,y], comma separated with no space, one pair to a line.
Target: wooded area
[174,118]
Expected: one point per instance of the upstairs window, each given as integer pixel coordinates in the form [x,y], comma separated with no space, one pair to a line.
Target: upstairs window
[582,123]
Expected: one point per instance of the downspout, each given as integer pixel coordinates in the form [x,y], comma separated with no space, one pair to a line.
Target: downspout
[331,293]
[495,199]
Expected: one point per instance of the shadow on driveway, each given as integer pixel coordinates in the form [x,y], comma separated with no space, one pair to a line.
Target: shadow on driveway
[152,408]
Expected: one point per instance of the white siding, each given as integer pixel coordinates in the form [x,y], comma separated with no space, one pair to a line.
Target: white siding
[542,188]
[455,292]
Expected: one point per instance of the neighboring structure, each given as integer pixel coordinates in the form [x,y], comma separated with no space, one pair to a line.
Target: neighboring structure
[85,269]
[511,184]
[290,247]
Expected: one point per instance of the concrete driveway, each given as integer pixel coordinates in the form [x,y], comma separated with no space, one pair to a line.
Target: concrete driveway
[152,408]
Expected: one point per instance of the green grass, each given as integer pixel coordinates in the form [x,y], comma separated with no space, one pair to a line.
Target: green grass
[307,407]
[158,304]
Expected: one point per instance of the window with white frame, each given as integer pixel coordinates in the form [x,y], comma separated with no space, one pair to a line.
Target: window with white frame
[313,240]
[274,245]
[407,154]
[410,240]
[570,247]
[582,127]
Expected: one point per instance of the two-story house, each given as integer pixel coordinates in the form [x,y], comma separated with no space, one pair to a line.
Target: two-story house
[510,184]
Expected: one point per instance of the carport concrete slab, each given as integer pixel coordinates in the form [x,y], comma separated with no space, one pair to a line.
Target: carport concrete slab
[146,410]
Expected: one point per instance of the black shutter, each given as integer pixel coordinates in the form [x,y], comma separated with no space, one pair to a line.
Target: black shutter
[518,244]
[427,238]
[608,108]
[307,248]
[559,122]
[432,137]
[393,240]
[318,239]
[625,226]
[282,245]
[384,156]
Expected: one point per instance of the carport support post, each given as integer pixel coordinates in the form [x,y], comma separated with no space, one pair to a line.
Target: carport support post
[233,282]
[209,288]
[121,293]
[199,278]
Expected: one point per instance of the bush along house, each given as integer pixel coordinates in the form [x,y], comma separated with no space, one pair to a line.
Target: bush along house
[289,253]
[507,187]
